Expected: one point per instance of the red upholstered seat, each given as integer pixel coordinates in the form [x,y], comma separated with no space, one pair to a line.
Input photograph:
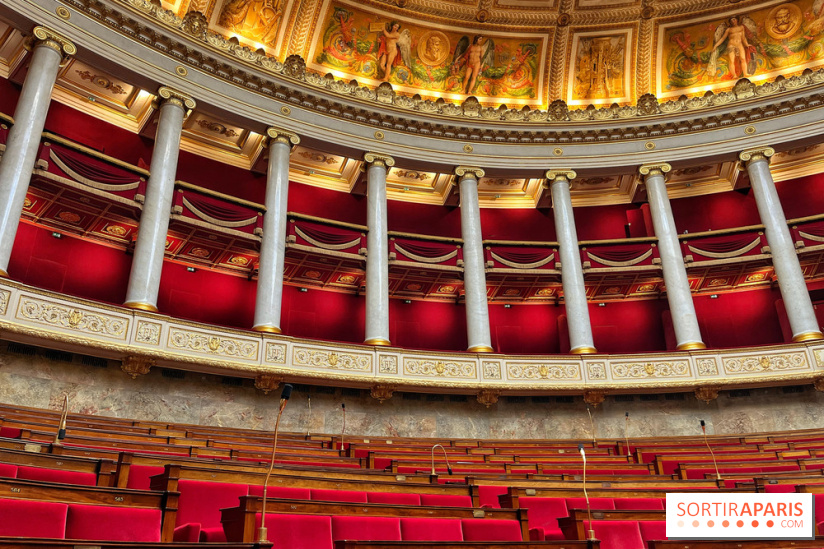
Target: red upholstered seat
[7,470]
[200,503]
[100,523]
[488,495]
[10,432]
[431,529]
[366,528]
[618,534]
[392,498]
[140,476]
[56,475]
[38,519]
[295,531]
[491,530]
[779,488]
[638,503]
[282,492]
[348,496]
[653,529]
[188,532]
[446,500]
[543,516]
[594,503]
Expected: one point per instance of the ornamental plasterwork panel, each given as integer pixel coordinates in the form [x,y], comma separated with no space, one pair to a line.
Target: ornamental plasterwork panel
[214,345]
[445,367]
[275,353]
[819,358]
[543,371]
[5,296]
[596,371]
[74,318]
[707,366]
[757,364]
[327,359]
[650,370]
[388,364]
[148,332]
[491,369]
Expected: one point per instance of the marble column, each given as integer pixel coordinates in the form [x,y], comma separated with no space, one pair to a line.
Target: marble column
[572,272]
[147,263]
[797,303]
[682,309]
[24,137]
[377,250]
[269,299]
[477,309]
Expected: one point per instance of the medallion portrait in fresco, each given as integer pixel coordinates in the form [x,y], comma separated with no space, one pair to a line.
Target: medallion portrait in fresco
[422,58]
[756,44]
[597,69]
[256,20]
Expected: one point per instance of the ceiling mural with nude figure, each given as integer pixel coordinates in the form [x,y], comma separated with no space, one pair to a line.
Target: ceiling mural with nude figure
[529,53]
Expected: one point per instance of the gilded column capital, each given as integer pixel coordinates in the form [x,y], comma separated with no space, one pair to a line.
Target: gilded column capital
[283,136]
[176,97]
[44,36]
[377,159]
[561,173]
[657,168]
[756,153]
[469,172]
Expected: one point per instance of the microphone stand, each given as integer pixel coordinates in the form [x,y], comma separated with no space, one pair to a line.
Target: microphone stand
[309,418]
[590,531]
[626,434]
[592,428]
[343,429]
[61,426]
[284,398]
[704,430]
[445,457]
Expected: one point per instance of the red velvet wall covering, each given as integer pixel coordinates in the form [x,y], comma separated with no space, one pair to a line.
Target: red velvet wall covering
[406,217]
[69,265]
[320,314]
[220,177]
[525,329]
[739,319]
[603,222]
[8,96]
[327,204]
[803,196]
[517,224]
[715,211]
[427,325]
[628,326]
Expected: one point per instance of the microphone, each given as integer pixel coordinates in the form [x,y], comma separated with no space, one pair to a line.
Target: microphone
[61,426]
[284,398]
[592,428]
[626,433]
[343,427]
[704,430]
[445,457]
[590,531]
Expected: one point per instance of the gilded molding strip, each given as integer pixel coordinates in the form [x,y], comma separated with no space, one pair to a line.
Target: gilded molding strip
[78,319]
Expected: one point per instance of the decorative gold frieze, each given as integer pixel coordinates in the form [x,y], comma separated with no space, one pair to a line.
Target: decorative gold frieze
[765,363]
[267,382]
[642,370]
[382,392]
[148,332]
[137,365]
[491,369]
[5,295]
[331,360]
[388,364]
[557,372]
[488,397]
[228,347]
[275,353]
[706,393]
[439,368]
[594,397]
[71,318]
[707,367]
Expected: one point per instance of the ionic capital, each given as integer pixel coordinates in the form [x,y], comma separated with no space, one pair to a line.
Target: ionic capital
[758,153]
[658,168]
[377,159]
[176,97]
[282,136]
[46,37]
[469,172]
[560,173]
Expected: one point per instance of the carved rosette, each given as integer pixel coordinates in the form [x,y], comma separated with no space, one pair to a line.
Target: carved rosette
[594,397]
[278,135]
[135,365]
[707,393]
[377,159]
[382,392]
[758,153]
[488,397]
[469,172]
[267,382]
[46,37]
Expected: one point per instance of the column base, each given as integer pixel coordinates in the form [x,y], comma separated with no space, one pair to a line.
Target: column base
[3,274]
[267,329]
[583,351]
[140,306]
[378,341]
[480,349]
[691,346]
[807,336]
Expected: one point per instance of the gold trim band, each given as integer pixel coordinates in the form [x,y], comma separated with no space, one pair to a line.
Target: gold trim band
[480,349]
[140,306]
[586,350]
[3,274]
[267,329]
[691,346]
[807,336]
[378,341]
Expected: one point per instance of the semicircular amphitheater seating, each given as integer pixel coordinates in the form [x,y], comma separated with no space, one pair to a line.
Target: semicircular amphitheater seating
[199,487]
